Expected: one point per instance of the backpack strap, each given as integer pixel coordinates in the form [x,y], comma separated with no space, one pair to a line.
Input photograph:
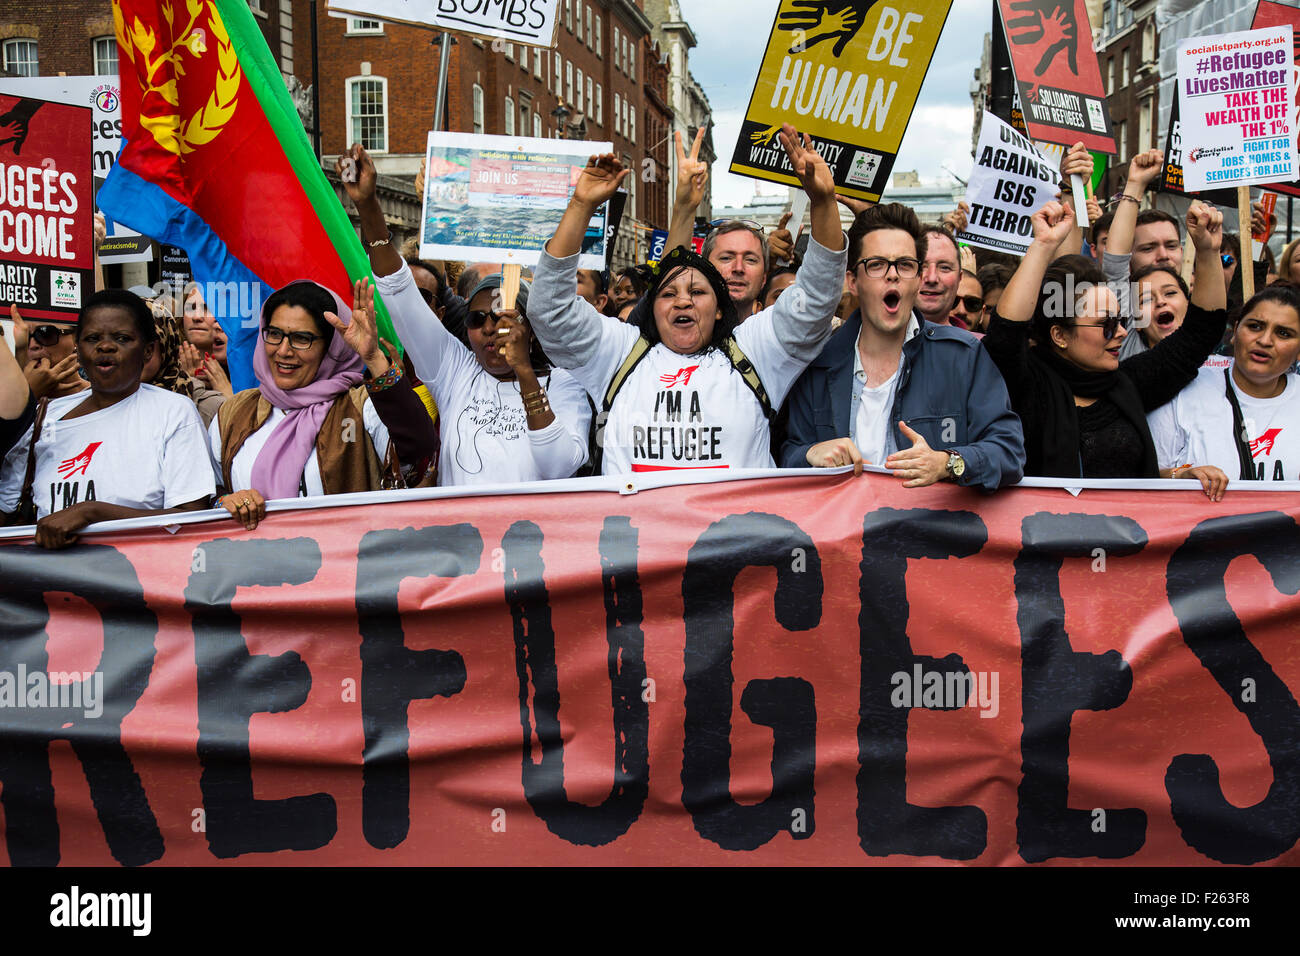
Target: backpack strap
[1245,460]
[640,348]
[741,363]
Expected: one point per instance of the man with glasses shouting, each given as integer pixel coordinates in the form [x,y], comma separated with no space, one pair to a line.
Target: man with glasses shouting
[920,399]
[48,355]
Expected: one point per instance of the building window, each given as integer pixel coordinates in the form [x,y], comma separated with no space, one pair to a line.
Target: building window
[368,112]
[630,183]
[1121,141]
[20,58]
[523,58]
[631,124]
[1149,41]
[600,104]
[600,46]
[577,30]
[523,114]
[1110,76]
[568,83]
[258,7]
[591,100]
[539,67]
[587,14]
[478,108]
[510,52]
[510,116]
[618,118]
[579,101]
[537,125]
[559,74]
[362,25]
[1145,136]
[631,61]
[618,60]
[568,15]
[1124,70]
[105,56]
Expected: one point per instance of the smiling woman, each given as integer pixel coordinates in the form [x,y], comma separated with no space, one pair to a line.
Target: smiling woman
[126,450]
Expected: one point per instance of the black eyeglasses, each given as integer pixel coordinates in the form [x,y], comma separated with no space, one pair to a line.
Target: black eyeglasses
[1109,326]
[425,294]
[299,341]
[971,303]
[877,268]
[48,335]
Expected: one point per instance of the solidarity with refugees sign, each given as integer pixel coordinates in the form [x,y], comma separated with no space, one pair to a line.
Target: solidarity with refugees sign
[530,22]
[500,198]
[1057,76]
[847,74]
[811,669]
[1010,181]
[1235,94]
[46,216]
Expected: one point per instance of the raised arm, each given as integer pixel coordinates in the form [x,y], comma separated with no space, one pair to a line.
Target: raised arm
[818,182]
[692,178]
[1051,225]
[1142,169]
[1205,227]
[357,171]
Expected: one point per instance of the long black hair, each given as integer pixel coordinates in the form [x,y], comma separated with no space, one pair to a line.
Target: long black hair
[670,266]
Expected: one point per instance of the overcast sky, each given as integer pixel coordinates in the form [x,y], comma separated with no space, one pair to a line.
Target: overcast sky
[733,35]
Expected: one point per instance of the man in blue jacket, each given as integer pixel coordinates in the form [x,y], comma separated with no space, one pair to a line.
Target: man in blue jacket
[889,388]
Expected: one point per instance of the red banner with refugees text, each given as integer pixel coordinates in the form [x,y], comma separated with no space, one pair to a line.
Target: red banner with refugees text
[791,670]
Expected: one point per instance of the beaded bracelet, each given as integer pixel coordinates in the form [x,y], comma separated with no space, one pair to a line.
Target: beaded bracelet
[385,381]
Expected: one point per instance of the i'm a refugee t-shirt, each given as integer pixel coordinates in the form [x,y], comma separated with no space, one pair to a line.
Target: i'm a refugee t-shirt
[148,451]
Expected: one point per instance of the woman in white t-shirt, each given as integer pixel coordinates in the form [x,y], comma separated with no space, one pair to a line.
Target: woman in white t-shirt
[1243,421]
[122,450]
[506,415]
[685,398]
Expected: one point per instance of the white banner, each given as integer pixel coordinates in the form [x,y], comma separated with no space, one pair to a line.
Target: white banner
[500,198]
[1010,181]
[530,22]
[1234,103]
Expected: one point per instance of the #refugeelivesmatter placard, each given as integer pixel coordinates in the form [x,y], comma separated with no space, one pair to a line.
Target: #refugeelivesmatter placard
[847,74]
[1234,97]
[1011,180]
[499,198]
[530,22]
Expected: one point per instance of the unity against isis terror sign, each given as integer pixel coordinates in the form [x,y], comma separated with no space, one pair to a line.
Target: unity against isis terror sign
[847,73]
[530,22]
[1010,181]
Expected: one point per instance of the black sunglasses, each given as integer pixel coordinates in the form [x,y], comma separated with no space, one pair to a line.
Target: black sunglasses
[971,303]
[478,318]
[1109,326]
[425,294]
[48,335]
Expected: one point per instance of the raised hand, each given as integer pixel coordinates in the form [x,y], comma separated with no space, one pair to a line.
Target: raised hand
[216,377]
[1052,223]
[46,380]
[692,172]
[599,180]
[958,219]
[1076,161]
[813,173]
[357,171]
[1145,166]
[191,360]
[1205,226]
[513,343]
[780,244]
[361,334]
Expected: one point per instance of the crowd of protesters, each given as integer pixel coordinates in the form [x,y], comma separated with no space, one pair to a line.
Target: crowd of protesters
[1092,356]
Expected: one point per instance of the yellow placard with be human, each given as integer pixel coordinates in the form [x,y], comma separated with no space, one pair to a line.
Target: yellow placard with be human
[847,73]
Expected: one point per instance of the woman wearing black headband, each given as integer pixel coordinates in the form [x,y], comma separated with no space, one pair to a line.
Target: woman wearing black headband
[683,384]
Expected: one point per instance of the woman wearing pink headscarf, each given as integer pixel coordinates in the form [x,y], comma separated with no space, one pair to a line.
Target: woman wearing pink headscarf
[312,427]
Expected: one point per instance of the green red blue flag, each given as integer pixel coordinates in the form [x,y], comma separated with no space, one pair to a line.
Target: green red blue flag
[216,161]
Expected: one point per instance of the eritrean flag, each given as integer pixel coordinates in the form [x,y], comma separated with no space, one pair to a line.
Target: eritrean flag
[216,161]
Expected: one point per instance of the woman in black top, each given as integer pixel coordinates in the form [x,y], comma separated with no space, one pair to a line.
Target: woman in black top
[1084,411]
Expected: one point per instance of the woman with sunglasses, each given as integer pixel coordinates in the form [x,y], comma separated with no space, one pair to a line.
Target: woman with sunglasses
[1083,410]
[694,388]
[311,427]
[506,415]
[48,355]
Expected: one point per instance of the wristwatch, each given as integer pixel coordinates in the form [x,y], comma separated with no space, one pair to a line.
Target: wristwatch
[956,465]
